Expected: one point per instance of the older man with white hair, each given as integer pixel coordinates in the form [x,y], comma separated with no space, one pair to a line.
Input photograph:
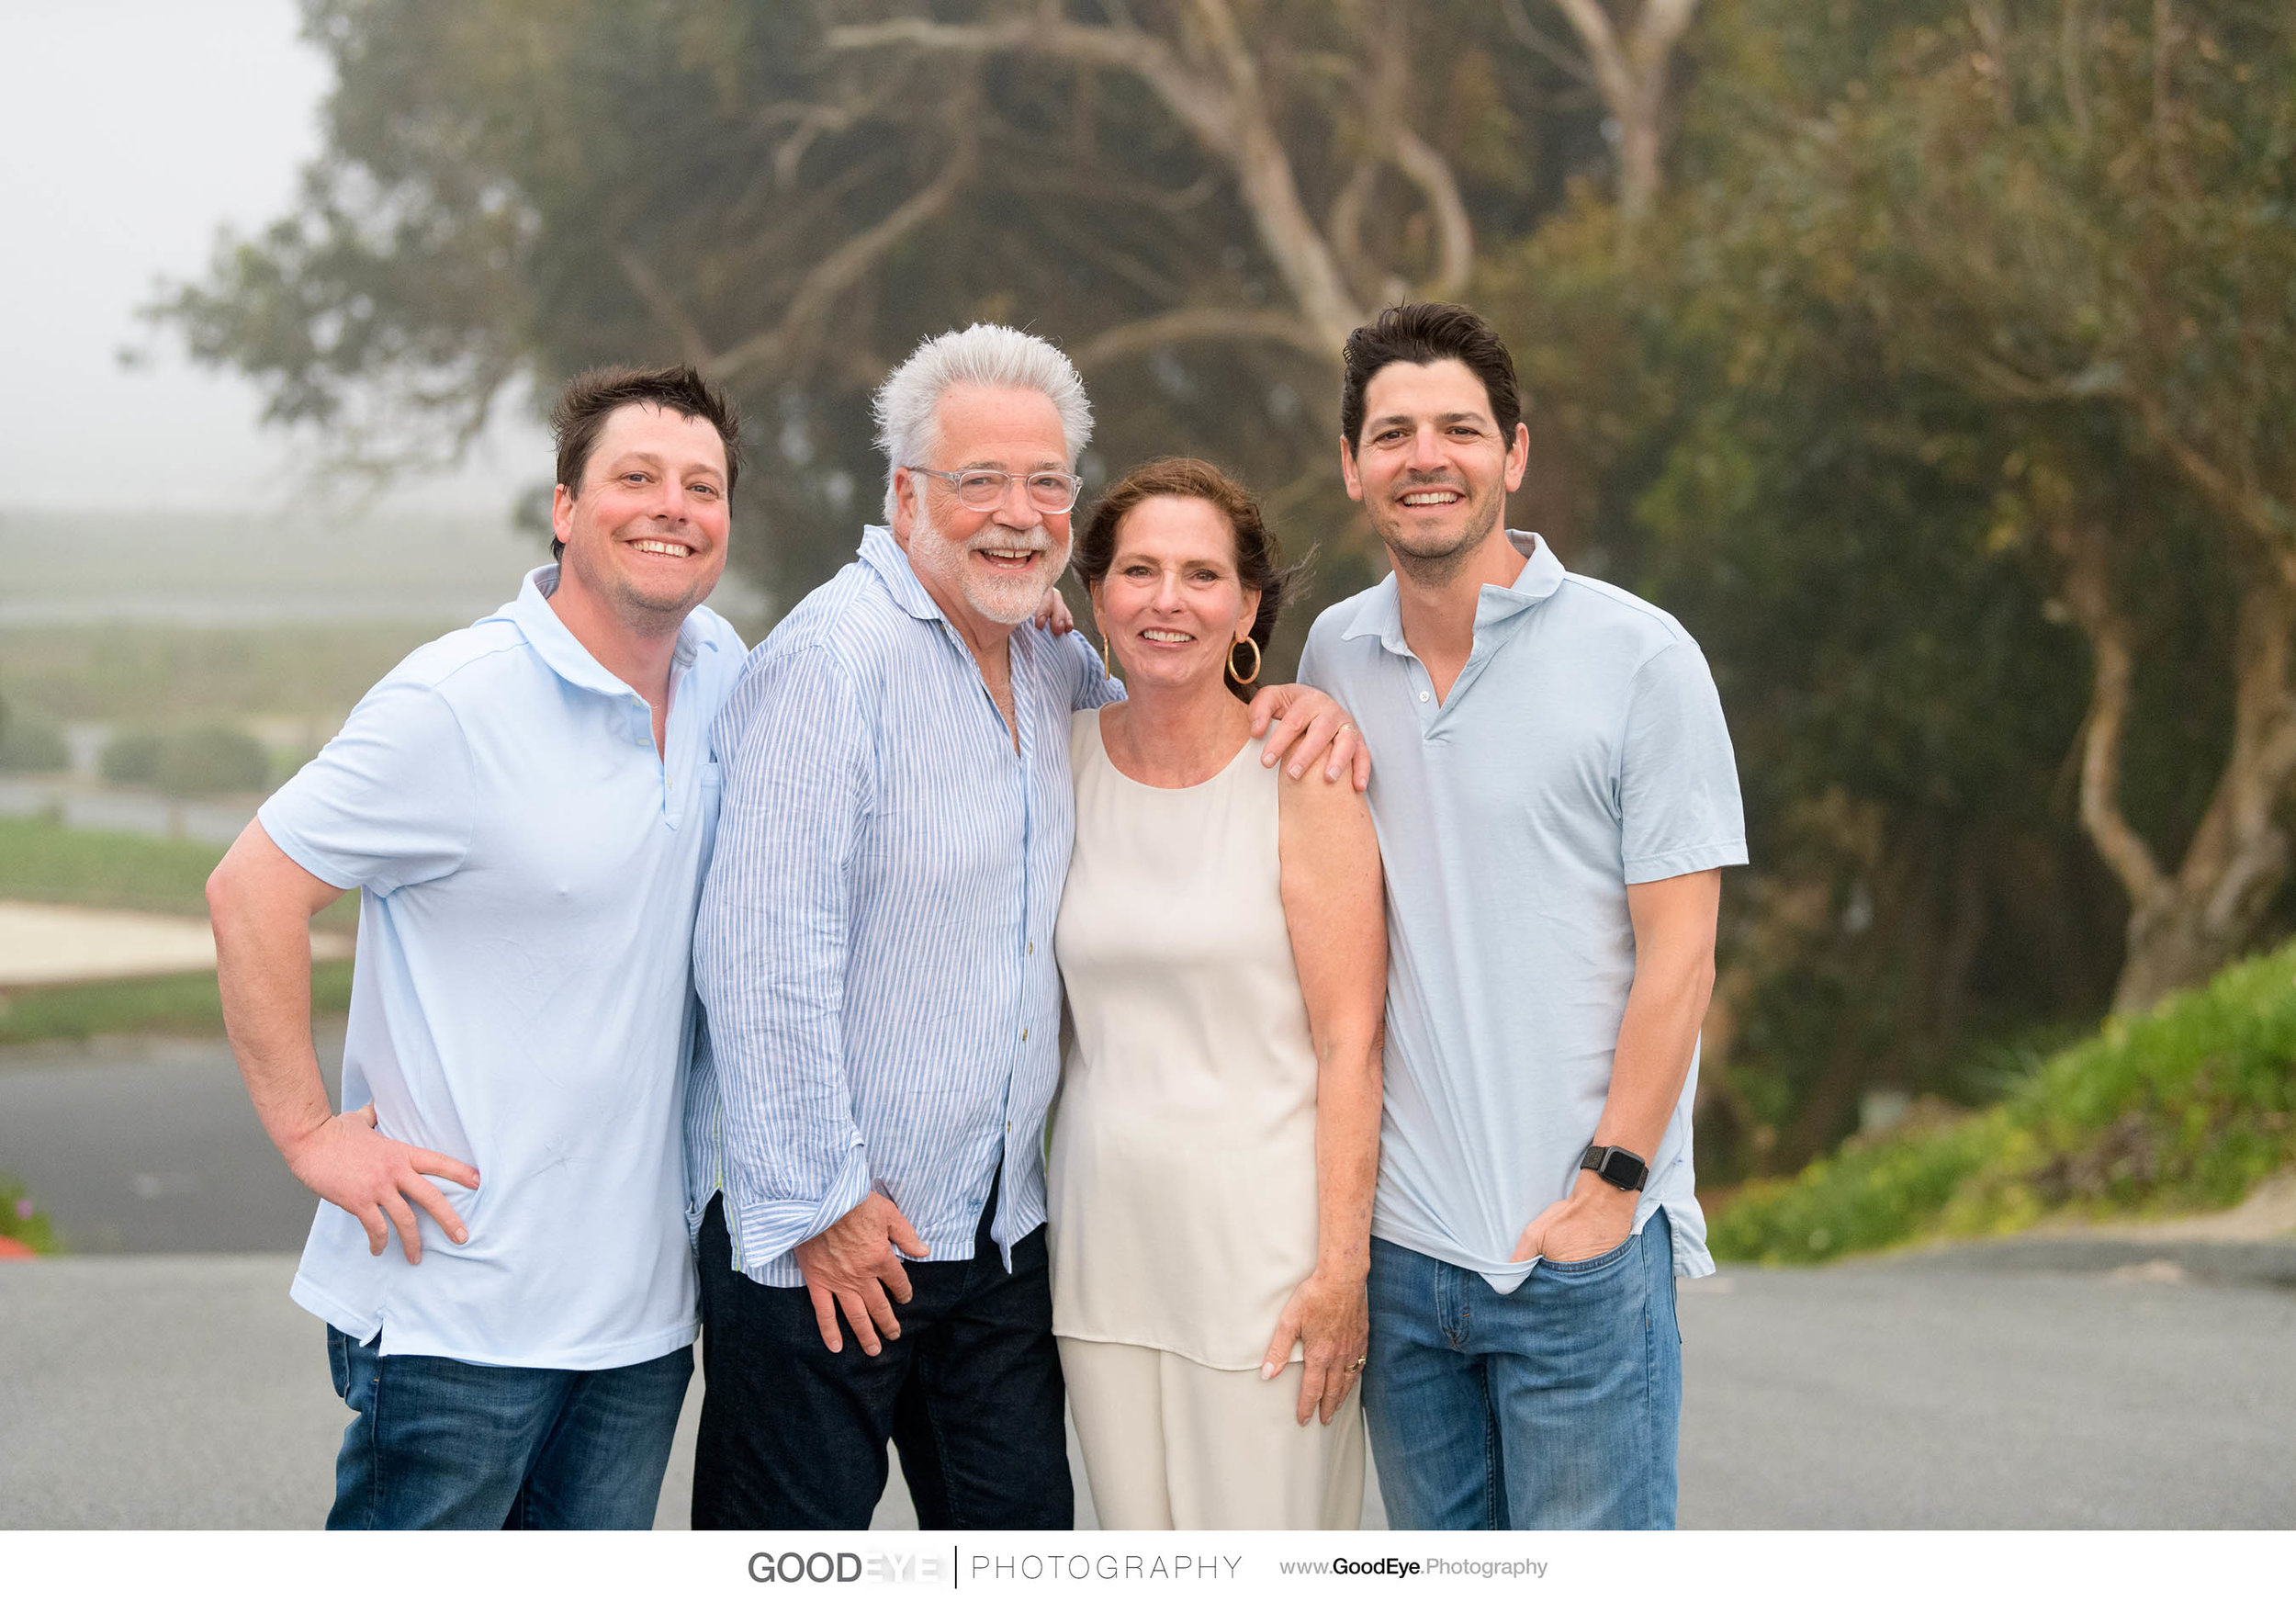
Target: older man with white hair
[874,952]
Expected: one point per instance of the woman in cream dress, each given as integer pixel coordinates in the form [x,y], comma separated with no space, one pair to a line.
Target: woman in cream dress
[1223,943]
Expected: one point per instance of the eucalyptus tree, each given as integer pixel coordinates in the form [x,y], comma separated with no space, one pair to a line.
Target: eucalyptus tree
[1921,402]
[2090,207]
[1198,199]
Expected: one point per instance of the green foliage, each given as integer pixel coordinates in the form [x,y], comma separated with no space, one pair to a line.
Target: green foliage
[132,758]
[2185,1108]
[30,746]
[1940,296]
[211,760]
[172,1004]
[518,188]
[21,1220]
[1789,397]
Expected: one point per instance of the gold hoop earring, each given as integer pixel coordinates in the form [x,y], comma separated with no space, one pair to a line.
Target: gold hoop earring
[1251,677]
[1106,671]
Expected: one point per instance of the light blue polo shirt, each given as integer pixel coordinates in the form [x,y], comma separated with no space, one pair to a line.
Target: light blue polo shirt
[527,868]
[1582,750]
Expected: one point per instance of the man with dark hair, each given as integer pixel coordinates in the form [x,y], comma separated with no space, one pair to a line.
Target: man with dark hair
[526,808]
[585,404]
[1556,796]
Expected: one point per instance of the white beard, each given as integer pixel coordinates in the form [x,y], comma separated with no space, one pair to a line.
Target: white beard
[1010,600]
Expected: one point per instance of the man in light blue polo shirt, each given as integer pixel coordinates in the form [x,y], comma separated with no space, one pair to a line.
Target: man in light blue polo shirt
[1555,795]
[526,809]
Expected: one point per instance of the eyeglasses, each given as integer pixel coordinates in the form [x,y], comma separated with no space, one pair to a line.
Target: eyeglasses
[984,488]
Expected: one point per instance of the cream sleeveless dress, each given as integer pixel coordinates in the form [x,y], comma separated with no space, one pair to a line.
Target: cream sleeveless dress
[1181,1178]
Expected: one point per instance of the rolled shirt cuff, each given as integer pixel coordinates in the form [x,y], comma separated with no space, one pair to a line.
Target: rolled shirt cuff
[767,1231]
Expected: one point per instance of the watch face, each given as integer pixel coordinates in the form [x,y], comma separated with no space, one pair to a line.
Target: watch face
[1621,1169]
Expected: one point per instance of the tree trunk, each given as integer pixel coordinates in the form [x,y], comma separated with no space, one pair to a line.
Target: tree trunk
[1630,72]
[2186,925]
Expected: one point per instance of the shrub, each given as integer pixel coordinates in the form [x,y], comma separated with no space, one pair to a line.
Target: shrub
[28,747]
[212,761]
[131,759]
[2185,1107]
[22,1222]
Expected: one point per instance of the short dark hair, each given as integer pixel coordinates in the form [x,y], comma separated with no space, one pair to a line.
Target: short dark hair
[1419,331]
[589,399]
[1257,558]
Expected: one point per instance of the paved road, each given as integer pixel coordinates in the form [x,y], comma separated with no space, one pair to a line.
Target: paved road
[149,1145]
[185,1391]
[1950,1391]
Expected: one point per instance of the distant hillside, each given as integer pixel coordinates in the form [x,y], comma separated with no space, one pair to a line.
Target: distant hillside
[2186,1109]
[213,569]
[165,617]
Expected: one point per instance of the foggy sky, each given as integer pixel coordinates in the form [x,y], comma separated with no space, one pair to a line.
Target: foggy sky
[133,128]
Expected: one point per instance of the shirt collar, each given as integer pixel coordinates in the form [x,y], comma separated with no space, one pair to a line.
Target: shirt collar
[555,643]
[884,555]
[1541,576]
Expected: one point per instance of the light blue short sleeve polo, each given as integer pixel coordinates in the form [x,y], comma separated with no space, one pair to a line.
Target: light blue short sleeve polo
[390,802]
[1582,750]
[528,865]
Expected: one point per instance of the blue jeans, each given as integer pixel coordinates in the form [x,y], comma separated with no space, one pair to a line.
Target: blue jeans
[439,1444]
[1556,1407]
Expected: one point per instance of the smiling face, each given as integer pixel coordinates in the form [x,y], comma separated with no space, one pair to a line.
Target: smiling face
[1171,606]
[646,531]
[989,569]
[1432,467]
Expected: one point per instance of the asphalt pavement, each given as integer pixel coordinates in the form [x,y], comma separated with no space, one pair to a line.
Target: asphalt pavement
[148,1145]
[162,1378]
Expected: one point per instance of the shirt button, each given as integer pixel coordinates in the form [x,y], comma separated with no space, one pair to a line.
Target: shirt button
[1032,948]
[1423,695]
[1024,1035]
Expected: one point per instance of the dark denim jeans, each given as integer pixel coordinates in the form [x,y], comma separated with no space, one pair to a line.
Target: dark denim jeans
[439,1444]
[1557,1407]
[794,1435]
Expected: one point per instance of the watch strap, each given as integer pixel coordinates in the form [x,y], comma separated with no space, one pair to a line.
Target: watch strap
[1614,1165]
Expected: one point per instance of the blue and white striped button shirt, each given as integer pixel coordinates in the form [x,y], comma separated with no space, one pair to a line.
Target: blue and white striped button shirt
[874,948]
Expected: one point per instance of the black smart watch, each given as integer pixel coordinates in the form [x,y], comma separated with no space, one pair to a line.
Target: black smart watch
[1614,1165]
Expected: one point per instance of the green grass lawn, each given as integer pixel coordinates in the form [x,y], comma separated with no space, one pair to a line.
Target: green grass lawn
[172,1004]
[42,861]
[2183,1110]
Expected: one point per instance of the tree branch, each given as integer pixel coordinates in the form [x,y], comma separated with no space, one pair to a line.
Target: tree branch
[1205,110]
[1631,75]
[1226,120]
[1203,322]
[2238,847]
[1519,23]
[1395,141]
[2250,509]
[803,319]
[1455,234]
[2088,595]
[1344,228]
[691,347]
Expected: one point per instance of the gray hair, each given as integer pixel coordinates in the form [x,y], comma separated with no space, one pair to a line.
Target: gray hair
[908,405]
